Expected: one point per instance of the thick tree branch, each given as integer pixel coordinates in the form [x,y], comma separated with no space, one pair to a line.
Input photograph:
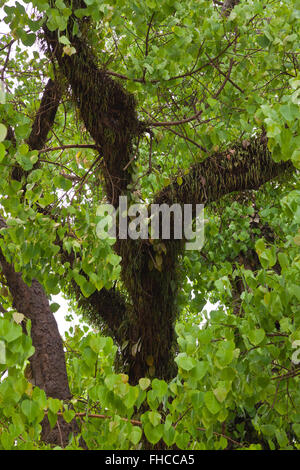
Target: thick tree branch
[228,5]
[106,306]
[107,110]
[238,168]
[45,116]
[43,122]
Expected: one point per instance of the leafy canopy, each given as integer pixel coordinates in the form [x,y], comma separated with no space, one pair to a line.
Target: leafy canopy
[233,367]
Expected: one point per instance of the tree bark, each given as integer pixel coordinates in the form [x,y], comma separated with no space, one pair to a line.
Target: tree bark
[48,362]
[228,5]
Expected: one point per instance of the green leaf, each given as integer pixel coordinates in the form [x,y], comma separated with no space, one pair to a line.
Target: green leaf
[28,39]
[30,409]
[268,429]
[153,433]
[211,403]
[64,40]
[263,41]
[52,417]
[169,436]
[54,307]
[2,152]
[282,438]
[51,284]
[62,182]
[54,405]
[220,393]
[2,94]
[9,331]
[182,440]
[283,260]
[39,396]
[7,440]
[144,383]
[3,132]
[68,415]
[296,428]
[225,353]
[296,158]
[185,362]
[135,435]
[154,417]
[22,131]
[160,387]
[87,288]
[200,370]
[256,336]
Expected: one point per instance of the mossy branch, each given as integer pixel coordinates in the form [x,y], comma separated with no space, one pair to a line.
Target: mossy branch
[242,166]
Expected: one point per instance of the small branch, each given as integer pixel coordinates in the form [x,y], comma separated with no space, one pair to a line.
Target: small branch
[60,435]
[7,45]
[2,309]
[63,147]
[183,136]
[147,42]
[182,416]
[123,77]
[188,139]
[223,435]
[176,77]
[147,36]
[176,123]
[227,78]
[60,165]
[136,422]
[86,176]
[44,118]
[212,61]
[6,60]
[134,156]
[276,334]
[289,375]
[276,393]
[150,152]
[100,416]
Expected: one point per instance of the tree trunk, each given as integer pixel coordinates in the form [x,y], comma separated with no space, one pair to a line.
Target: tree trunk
[48,362]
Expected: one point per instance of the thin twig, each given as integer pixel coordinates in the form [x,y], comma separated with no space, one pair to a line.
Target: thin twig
[134,156]
[87,174]
[60,435]
[6,60]
[63,147]
[212,61]
[147,43]
[223,435]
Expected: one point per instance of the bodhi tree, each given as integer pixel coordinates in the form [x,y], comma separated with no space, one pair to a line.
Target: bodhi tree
[174,103]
